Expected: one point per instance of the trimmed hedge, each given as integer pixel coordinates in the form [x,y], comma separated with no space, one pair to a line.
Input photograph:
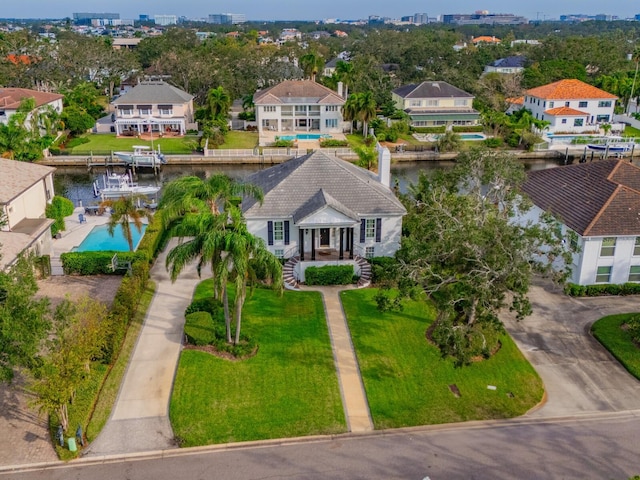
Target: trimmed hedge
[329,275]
[574,290]
[440,129]
[332,142]
[467,128]
[96,263]
[199,329]
[59,208]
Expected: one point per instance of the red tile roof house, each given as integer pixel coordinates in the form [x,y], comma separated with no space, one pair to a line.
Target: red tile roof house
[571,106]
[10,99]
[600,202]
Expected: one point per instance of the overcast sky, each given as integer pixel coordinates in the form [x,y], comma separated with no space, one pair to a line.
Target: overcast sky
[313,9]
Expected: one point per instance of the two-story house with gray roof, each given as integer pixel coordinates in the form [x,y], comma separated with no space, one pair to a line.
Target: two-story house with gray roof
[319,208]
[433,104]
[299,107]
[155,107]
[600,202]
[26,190]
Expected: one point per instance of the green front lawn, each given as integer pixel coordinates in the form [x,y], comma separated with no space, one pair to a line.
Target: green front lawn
[609,333]
[288,389]
[240,140]
[103,144]
[630,131]
[407,382]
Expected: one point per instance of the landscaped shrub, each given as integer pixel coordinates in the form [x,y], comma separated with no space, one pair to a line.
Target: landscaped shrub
[199,329]
[383,270]
[493,142]
[155,236]
[633,327]
[467,128]
[94,263]
[282,143]
[329,275]
[332,142]
[629,288]
[440,129]
[209,305]
[59,208]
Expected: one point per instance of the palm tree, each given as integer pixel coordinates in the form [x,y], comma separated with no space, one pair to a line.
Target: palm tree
[367,157]
[361,107]
[449,141]
[345,74]
[124,212]
[311,63]
[218,103]
[247,102]
[243,251]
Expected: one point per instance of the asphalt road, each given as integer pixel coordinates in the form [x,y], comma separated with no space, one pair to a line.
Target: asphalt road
[603,446]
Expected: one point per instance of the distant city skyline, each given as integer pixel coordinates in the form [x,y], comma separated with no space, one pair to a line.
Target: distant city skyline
[299,10]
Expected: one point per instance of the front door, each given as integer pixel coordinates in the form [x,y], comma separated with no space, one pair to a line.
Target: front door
[324,237]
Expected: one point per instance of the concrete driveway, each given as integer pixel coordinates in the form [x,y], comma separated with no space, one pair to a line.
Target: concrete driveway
[579,375]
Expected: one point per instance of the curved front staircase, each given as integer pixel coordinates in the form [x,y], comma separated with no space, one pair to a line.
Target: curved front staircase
[291,281]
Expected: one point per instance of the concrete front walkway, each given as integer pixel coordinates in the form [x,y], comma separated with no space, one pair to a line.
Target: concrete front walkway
[140,418]
[354,399]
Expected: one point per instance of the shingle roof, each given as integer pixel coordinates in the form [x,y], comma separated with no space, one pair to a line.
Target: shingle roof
[153,92]
[431,90]
[10,98]
[319,200]
[568,89]
[294,186]
[593,199]
[565,112]
[509,62]
[19,176]
[297,91]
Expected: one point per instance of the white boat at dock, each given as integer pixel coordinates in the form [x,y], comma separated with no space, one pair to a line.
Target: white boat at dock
[611,147]
[121,185]
[142,156]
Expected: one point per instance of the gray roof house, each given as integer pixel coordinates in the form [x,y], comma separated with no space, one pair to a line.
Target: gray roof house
[155,107]
[434,103]
[507,65]
[600,203]
[318,208]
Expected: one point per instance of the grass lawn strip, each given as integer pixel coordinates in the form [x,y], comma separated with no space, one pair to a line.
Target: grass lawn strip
[288,389]
[104,144]
[94,401]
[407,382]
[609,333]
[240,140]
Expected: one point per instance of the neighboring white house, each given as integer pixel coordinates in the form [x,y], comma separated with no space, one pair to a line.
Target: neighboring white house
[507,66]
[431,104]
[299,106]
[600,202]
[154,106]
[323,210]
[571,106]
[11,98]
[26,190]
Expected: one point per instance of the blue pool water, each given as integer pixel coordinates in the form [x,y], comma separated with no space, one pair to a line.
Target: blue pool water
[472,136]
[304,136]
[99,239]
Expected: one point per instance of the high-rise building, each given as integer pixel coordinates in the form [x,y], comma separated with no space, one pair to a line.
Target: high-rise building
[227,18]
[420,18]
[164,20]
[85,18]
[483,18]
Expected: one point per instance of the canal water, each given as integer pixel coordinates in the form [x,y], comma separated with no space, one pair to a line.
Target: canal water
[76,183]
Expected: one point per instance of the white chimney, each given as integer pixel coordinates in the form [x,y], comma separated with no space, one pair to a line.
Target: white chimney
[384,166]
[340,89]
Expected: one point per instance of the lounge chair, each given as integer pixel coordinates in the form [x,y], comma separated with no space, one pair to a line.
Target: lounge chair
[81,218]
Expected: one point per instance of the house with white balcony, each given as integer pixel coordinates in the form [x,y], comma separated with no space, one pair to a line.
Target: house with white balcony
[321,210]
[298,107]
[154,107]
[432,104]
[571,106]
[600,202]
[507,65]
[26,190]
[12,98]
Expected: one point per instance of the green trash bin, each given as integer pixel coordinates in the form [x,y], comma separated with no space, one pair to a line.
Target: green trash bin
[72,444]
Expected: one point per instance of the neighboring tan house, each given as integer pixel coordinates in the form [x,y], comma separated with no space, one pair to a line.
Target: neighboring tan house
[154,106]
[507,66]
[299,106]
[431,104]
[11,98]
[26,190]
[571,106]
[320,210]
[600,202]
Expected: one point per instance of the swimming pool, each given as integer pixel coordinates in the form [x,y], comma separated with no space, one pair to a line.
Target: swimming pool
[100,240]
[305,136]
[472,136]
